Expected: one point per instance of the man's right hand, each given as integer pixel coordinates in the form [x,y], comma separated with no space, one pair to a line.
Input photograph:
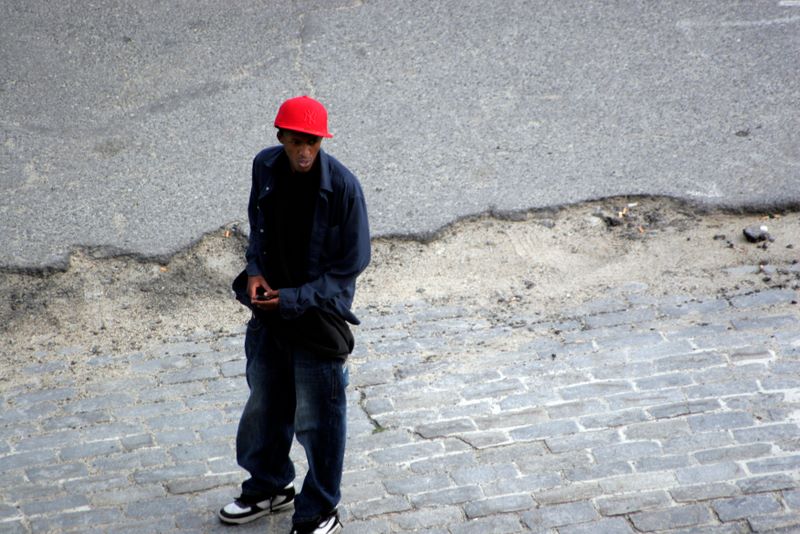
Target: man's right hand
[261,295]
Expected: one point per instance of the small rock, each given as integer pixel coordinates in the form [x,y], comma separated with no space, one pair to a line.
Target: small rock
[610,220]
[755,234]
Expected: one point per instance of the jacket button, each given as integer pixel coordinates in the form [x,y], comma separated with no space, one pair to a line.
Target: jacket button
[261,230]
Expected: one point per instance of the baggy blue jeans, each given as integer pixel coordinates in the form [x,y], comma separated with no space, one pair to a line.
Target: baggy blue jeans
[292,392]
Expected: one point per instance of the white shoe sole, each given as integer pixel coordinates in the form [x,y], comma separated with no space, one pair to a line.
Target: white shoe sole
[337,528]
[230,520]
[243,519]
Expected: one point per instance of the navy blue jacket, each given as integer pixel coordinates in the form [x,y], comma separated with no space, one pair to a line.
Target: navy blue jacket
[339,249]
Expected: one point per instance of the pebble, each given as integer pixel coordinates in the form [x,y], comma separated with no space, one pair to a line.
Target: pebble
[756,234]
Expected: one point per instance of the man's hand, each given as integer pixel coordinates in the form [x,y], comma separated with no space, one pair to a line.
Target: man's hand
[261,295]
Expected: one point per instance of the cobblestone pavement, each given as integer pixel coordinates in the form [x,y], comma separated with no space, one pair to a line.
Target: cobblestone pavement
[626,414]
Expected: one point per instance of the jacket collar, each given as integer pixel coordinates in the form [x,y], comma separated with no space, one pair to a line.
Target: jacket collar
[325,183]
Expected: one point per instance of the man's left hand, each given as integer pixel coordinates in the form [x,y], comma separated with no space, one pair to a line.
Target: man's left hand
[269,301]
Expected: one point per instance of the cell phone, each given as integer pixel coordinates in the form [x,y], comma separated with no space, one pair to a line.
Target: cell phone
[261,296]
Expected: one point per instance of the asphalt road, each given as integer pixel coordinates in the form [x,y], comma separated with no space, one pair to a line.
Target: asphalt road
[129,128]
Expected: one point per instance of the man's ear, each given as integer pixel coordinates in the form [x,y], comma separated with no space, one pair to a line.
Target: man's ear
[279,135]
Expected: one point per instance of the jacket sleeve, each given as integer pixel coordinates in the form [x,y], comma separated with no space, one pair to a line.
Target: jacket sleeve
[334,289]
[253,243]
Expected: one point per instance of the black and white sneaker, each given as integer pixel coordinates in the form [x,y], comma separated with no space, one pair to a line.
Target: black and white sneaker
[246,509]
[327,525]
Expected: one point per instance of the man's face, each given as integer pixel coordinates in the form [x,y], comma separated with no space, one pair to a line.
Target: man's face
[302,149]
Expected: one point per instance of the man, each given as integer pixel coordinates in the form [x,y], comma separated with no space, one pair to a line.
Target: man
[309,240]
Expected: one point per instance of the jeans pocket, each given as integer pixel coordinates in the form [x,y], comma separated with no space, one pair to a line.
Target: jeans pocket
[340,378]
[252,343]
[254,323]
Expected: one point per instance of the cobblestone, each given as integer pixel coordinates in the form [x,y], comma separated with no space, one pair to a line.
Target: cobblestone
[783,523]
[498,505]
[792,498]
[744,507]
[761,484]
[560,515]
[777,464]
[625,504]
[693,515]
[459,422]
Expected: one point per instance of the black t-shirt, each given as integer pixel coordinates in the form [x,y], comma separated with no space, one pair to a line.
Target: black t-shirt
[289,212]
